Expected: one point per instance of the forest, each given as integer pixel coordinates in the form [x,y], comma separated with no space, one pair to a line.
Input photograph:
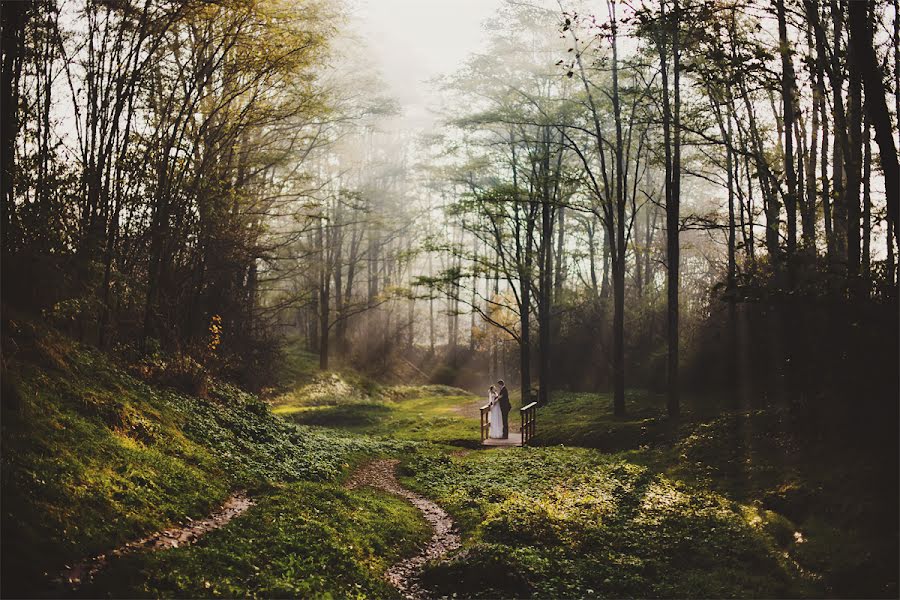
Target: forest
[262,260]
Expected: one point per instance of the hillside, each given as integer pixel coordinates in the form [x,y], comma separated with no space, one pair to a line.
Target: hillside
[716,505]
[94,457]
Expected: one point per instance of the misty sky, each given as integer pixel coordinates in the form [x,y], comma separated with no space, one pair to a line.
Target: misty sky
[413,41]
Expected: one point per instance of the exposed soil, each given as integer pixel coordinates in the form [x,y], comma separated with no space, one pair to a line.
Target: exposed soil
[167,538]
[381,474]
[470,409]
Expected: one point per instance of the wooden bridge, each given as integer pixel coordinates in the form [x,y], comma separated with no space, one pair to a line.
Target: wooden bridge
[528,414]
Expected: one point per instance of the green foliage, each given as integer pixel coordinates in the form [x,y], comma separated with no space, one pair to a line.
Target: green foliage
[294,365]
[302,540]
[564,522]
[93,457]
[409,392]
[181,372]
[586,419]
[437,414]
[832,507]
[256,445]
[728,506]
[87,467]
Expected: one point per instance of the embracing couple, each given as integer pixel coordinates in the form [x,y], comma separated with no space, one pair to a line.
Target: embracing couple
[500,407]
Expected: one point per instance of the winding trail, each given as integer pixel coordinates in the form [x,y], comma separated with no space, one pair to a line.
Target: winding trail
[381,474]
[174,537]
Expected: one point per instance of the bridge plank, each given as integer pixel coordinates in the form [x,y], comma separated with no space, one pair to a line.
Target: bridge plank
[514,439]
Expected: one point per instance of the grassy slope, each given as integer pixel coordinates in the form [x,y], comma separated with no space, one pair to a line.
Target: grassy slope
[569,522]
[715,505]
[830,506]
[93,458]
[302,540]
[434,413]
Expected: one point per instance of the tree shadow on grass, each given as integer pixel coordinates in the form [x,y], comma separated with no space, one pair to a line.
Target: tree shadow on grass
[353,415]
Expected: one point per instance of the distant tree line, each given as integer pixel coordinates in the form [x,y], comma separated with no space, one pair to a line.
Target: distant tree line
[653,195]
[647,177]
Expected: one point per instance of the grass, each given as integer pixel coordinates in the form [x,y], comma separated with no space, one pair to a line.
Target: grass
[839,498]
[436,414]
[301,540]
[569,522]
[586,419]
[754,475]
[737,504]
[94,457]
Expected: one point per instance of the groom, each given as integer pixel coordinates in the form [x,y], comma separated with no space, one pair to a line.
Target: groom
[505,407]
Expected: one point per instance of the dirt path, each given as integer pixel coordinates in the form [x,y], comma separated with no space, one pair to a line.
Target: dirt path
[381,474]
[167,538]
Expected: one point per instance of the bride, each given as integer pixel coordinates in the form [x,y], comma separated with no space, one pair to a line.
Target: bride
[496,416]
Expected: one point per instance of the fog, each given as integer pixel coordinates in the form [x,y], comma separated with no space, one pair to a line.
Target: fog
[412,42]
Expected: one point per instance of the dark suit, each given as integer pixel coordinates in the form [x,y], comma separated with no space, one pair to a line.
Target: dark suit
[505,407]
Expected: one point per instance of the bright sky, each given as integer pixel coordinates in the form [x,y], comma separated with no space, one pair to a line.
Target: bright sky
[413,41]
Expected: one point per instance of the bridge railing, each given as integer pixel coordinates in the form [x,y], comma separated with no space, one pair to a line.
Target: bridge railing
[485,421]
[529,421]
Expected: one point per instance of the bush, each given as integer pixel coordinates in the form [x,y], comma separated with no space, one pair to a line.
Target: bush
[444,375]
[182,373]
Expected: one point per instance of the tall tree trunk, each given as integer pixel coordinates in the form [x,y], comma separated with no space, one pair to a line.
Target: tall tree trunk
[13,26]
[841,138]
[866,258]
[605,281]
[897,58]
[853,166]
[591,230]
[525,342]
[496,346]
[523,267]
[673,209]
[546,291]
[750,236]
[337,273]
[788,96]
[725,131]
[731,282]
[891,264]
[324,294]
[472,300]
[809,216]
[431,306]
[618,234]
[560,278]
[826,188]
[890,224]
[862,52]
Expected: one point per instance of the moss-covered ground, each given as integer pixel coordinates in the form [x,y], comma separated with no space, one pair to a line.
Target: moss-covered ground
[93,458]
[736,504]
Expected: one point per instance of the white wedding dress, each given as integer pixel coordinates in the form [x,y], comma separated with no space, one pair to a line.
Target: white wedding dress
[496,418]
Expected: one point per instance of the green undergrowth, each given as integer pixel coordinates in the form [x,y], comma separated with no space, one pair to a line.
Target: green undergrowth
[92,457]
[433,413]
[840,497]
[299,380]
[821,482]
[586,419]
[737,504]
[568,522]
[301,540]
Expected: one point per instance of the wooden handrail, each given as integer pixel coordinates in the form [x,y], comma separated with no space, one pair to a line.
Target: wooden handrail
[529,421]
[485,421]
